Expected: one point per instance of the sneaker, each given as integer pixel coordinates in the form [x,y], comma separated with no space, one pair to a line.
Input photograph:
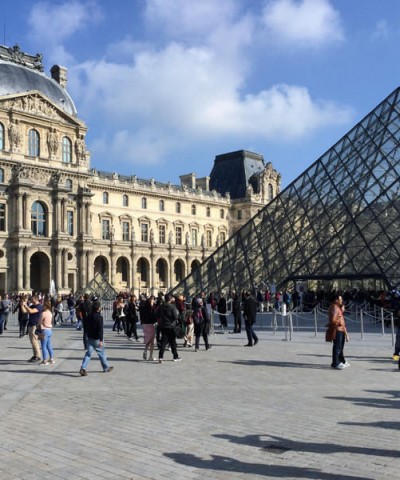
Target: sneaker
[395,357]
[109,369]
[34,359]
[152,359]
[44,362]
[82,372]
[178,359]
[340,366]
[160,360]
[346,364]
[255,342]
[208,348]
[52,361]
[145,355]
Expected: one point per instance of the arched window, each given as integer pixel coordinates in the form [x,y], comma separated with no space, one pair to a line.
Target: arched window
[105,198]
[125,200]
[162,205]
[144,202]
[1,175]
[1,136]
[38,219]
[66,150]
[33,143]
[193,209]
[178,207]
[222,213]
[270,192]
[68,183]
[208,212]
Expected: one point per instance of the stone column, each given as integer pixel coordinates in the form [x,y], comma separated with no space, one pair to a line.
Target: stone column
[20,268]
[65,267]
[26,221]
[58,269]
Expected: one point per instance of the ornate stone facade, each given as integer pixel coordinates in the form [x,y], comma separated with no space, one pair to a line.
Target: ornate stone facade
[64,221]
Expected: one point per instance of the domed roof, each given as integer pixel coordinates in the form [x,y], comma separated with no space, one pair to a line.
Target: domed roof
[19,79]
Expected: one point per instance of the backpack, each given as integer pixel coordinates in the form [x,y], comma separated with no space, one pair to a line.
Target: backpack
[197,316]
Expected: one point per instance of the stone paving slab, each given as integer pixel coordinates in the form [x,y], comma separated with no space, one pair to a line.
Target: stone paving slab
[276,410]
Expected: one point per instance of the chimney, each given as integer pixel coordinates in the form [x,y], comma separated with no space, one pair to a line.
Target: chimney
[59,74]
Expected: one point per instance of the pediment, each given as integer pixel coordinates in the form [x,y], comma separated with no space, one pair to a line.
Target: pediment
[36,104]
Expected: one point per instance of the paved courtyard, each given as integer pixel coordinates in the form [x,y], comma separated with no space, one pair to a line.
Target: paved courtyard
[276,410]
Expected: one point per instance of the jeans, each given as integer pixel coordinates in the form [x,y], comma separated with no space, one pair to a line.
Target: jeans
[47,348]
[1,323]
[95,345]
[200,329]
[251,334]
[337,349]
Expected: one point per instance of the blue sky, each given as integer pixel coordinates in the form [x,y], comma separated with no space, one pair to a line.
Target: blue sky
[165,85]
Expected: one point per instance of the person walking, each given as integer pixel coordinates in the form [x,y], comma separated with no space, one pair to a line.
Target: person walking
[2,316]
[237,313]
[337,321]
[46,325]
[169,316]
[7,306]
[201,324]
[250,315]
[94,326]
[23,316]
[35,314]
[85,310]
[131,318]
[148,321]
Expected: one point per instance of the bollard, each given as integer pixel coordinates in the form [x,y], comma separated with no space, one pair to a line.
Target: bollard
[362,324]
[315,323]
[383,322]
[392,327]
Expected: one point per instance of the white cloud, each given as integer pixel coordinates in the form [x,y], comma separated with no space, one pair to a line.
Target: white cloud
[55,22]
[303,23]
[382,30]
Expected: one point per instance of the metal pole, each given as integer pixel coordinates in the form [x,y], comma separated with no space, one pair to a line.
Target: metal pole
[392,327]
[291,325]
[315,323]
[383,323]
[362,324]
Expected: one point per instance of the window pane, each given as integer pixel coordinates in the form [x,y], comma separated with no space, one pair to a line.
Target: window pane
[70,222]
[178,235]
[105,229]
[34,146]
[125,231]
[161,234]
[2,217]
[38,220]
[145,232]
[66,150]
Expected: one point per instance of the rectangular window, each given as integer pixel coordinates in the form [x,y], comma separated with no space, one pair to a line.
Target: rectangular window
[105,228]
[194,237]
[161,233]
[178,235]
[2,217]
[125,231]
[239,214]
[144,229]
[70,222]
[209,238]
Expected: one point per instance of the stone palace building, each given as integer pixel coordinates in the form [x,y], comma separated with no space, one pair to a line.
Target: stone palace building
[63,221]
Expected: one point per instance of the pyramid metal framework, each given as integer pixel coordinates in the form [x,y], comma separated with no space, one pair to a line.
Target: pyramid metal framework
[340,219]
[100,287]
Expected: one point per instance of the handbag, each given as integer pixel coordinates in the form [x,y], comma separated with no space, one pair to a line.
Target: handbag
[40,334]
[330,333]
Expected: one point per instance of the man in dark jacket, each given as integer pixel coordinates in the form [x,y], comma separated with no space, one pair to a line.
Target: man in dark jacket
[95,333]
[250,314]
[169,317]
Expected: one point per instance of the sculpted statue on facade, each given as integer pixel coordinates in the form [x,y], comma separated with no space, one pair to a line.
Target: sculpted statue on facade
[80,150]
[52,141]
[14,134]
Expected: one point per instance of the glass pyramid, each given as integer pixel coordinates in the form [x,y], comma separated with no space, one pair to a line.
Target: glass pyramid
[340,219]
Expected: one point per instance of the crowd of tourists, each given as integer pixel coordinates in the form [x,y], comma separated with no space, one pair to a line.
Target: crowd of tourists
[167,317]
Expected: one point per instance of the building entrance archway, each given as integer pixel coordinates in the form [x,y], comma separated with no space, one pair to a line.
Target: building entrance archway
[40,272]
